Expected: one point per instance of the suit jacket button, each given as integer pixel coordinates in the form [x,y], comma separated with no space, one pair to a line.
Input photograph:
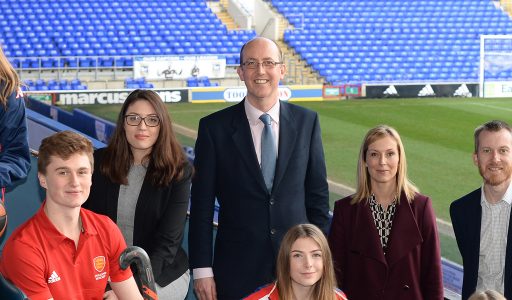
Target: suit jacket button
[272,201]
[406,287]
[272,231]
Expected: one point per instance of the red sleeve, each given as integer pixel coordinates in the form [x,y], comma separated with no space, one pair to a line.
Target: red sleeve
[117,246]
[262,292]
[24,266]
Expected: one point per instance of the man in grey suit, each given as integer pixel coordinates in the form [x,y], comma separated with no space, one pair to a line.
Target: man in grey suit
[481,219]
[258,203]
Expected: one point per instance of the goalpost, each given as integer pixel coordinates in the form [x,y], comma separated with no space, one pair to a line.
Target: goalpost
[495,66]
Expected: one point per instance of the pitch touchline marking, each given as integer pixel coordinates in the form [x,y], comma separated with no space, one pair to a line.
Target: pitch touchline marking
[343,190]
[492,106]
[443,226]
[191,133]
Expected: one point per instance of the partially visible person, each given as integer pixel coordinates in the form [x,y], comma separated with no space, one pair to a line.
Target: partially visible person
[65,251]
[263,160]
[14,151]
[481,219]
[384,238]
[142,182]
[487,295]
[304,268]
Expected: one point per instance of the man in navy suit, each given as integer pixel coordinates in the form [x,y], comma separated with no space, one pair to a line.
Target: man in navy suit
[481,219]
[253,216]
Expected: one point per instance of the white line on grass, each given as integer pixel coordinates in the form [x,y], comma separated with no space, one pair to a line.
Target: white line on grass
[493,106]
[444,227]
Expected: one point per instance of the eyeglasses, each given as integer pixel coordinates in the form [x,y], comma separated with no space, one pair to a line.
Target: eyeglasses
[266,64]
[134,120]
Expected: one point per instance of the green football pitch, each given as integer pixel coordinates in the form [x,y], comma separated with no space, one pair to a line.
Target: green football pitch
[437,134]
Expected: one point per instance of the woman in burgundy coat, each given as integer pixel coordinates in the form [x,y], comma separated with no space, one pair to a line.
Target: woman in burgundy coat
[384,238]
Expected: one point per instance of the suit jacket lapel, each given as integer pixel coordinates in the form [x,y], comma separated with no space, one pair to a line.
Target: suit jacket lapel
[405,234]
[366,241]
[474,226]
[242,139]
[287,139]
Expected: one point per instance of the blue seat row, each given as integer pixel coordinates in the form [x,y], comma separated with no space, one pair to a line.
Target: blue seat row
[63,84]
[137,83]
[81,29]
[70,62]
[200,82]
[393,40]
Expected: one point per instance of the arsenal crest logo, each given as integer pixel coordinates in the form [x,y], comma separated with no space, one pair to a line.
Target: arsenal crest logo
[99,263]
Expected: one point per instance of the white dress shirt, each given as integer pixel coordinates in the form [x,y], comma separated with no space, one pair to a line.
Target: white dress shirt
[253,116]
[493,242]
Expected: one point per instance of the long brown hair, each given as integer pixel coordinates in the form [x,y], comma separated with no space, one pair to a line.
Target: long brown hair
[166,161]
[324,288]
[9,80]
[403,184]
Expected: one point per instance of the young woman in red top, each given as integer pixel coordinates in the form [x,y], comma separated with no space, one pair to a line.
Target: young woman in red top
[304,268]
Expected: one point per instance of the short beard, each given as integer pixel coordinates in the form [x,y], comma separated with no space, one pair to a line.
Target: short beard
[495,180]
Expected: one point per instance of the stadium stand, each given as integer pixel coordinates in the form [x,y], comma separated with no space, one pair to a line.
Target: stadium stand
[375,41]
[345,41]
[363,41]
[500,66]
[137,83]
[52,84]
[200,81]
[109,33]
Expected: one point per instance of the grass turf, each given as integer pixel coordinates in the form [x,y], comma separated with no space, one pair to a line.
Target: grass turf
[437,134]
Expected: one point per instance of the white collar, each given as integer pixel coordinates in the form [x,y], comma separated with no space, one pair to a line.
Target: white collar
[253,114]
[507,197]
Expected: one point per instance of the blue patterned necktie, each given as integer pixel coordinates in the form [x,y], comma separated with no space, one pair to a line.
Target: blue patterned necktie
[268,152]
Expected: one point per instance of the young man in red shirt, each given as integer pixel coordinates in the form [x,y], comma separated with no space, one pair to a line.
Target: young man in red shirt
[65,251]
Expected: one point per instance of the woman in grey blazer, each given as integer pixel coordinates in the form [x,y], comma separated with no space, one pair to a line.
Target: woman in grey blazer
[141,180]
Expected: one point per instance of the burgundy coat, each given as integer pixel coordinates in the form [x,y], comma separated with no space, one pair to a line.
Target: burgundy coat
[412,267]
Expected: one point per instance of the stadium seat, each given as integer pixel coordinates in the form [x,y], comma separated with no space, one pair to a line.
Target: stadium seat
[107,29]
[192,82]
[368,30]
[136,83]
[9,291]
[377,33]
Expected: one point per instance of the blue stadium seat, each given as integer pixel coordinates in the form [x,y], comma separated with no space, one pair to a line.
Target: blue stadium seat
[364,32]
[9,291]
[87,28]
[192,82]
[106,62]
[371,35]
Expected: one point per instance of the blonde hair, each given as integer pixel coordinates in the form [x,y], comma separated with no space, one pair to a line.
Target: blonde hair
[9,80]
[487,295]
[324,288]
[403,184]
